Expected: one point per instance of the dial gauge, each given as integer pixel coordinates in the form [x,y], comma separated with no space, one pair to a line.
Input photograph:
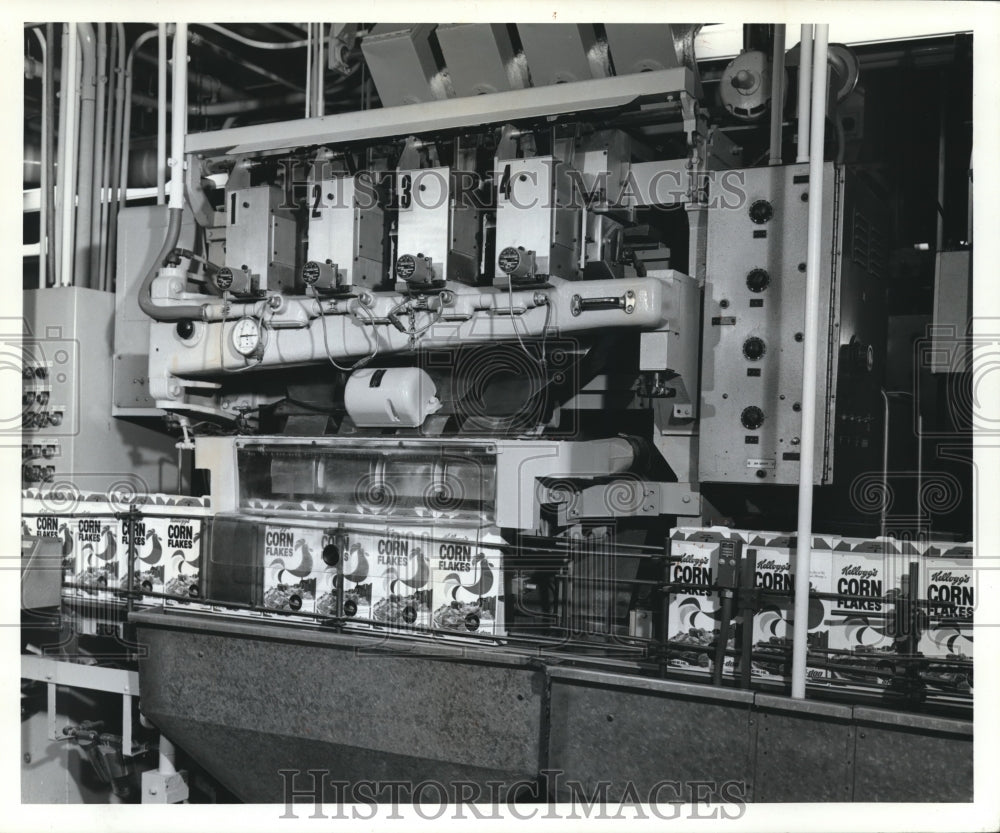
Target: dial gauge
[246,336]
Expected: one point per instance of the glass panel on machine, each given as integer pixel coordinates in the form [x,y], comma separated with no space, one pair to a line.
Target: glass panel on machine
[425,482]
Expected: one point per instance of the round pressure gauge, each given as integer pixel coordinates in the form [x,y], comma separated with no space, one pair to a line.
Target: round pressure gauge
[246,336]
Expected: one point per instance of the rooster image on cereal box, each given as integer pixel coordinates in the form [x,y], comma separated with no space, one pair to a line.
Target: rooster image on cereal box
[292,566]
[98,557]
[182,550]
[148,535]
[402,577]
[468,586]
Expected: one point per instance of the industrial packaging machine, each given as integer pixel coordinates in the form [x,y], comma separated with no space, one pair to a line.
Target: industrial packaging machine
[489,405]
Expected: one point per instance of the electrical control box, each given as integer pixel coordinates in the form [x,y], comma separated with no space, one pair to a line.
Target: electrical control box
[538,227]
[69,439]
[260,240]
[345,235]
[437,235]
[754,320]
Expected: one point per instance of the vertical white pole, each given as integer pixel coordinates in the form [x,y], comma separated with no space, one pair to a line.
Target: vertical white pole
[67,139]
[805,81]
[178,124]
[803,552]
[161,115]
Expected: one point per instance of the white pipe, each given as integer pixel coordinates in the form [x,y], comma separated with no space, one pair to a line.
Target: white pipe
[97,159]
[85,155]
[161,117]
[67,142]
[110,250]
[811,334]
[805,80]
[43,186]
[309,72]
[320,72]
[60,153]
[777,93]
[178,122]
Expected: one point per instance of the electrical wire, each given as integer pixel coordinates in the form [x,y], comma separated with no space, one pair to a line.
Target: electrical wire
[326,344]
[548,310]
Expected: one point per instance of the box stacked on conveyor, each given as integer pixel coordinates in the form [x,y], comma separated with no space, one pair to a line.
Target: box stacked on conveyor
[149,537]
[293,565]
[775,557]
[99,557]
[468,582]
[182,552]
[56,526]
[948,583]
[402,580]
[870,577]
[694,610]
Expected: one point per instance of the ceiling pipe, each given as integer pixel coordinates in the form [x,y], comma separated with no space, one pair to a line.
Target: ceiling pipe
[45,195]
[194,39]
[106,196]
[96,162]
[85,156]
[117,196]
[67,153]
[811,333]
[48,141]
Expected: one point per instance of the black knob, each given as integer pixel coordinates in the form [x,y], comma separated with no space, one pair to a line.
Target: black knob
[185,329]
[761,211]
[862,356]
[753,348]
[758,280]
[331,555]
[752,418]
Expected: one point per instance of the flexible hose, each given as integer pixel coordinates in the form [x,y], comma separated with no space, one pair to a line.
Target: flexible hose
[155,311]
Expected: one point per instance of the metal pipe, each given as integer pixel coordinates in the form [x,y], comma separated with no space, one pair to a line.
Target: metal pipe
[85,155]
[811,336]
[178,121]
[117,197]
[777,92]
[49,142]
[805,81]
[100,278]
[884,509]
[194,39]
[309,72]
[96,161]
[256,44]
[178,129]
[67,142]
[161,116]
[43,185]
[320,67]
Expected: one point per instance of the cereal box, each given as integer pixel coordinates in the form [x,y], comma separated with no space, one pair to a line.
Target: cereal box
[357,556]
[468,583]
[869,577]
[182,551]
[694,612]
[99,557]
[293,561]
[401,576]
[63,528]
[948,583]
[149,566]
[773,623]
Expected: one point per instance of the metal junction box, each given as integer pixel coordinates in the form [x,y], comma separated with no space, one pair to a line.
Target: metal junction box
[260,237]
[346,231]
[754,315]
[535,213]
